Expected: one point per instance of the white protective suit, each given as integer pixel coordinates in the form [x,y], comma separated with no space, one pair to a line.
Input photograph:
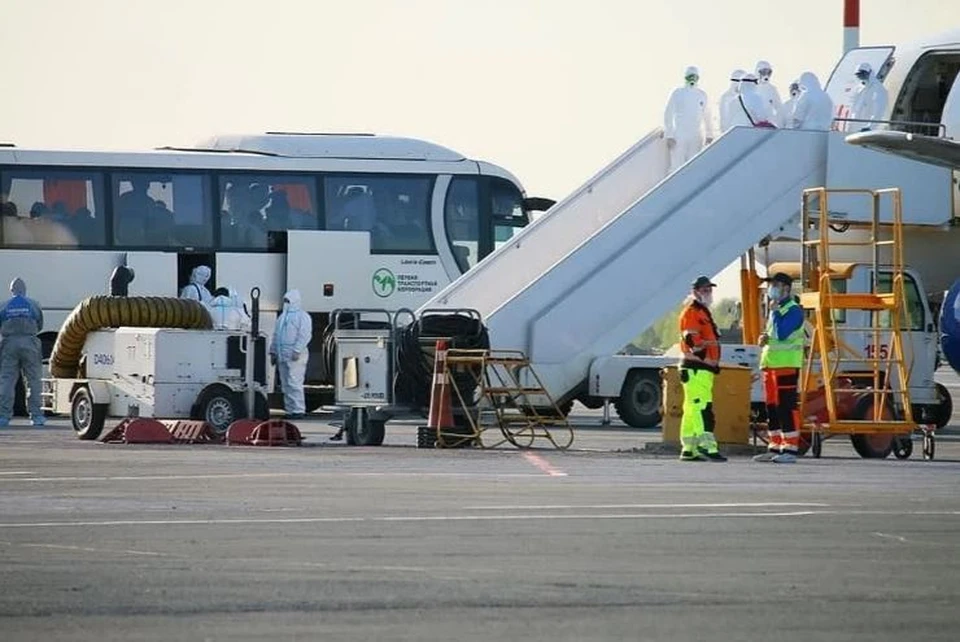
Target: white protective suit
[869,101]
[197,288]
[768,91]
[814,109]
[728,101]
[791,105]
[288,347]
[227,312]
[687,120]
[748,108]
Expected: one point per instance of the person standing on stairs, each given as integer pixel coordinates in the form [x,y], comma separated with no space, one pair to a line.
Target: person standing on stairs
[687,120]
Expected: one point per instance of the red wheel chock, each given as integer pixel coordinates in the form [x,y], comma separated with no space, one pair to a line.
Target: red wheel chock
[272,432]
[142,430]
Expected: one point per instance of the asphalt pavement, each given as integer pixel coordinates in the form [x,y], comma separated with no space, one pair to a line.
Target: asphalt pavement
[603,542]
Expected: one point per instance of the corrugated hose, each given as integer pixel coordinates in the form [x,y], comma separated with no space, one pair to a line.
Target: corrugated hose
[98,312]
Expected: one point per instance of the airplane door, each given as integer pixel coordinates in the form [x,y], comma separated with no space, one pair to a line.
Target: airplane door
[843,83]
[950,119]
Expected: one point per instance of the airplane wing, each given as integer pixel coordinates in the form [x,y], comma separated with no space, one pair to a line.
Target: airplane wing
[944,152]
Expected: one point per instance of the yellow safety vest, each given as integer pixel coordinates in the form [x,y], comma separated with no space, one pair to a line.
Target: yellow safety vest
[783,353]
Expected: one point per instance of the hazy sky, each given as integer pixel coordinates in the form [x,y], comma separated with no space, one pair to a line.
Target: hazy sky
[549,89]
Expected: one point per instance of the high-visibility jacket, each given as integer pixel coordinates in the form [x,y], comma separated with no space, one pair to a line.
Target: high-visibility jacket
[699,338]
[785,337]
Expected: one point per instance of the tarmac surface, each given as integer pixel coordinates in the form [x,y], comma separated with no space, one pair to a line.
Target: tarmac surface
[603,542]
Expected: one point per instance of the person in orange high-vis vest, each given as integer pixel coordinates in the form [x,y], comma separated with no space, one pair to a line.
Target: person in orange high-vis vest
[700,345]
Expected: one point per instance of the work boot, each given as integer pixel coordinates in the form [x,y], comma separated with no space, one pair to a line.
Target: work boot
[768,456]
[712,456]
[785,458]
[692,455]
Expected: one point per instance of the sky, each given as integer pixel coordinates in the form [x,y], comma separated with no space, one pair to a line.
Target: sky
[549,89]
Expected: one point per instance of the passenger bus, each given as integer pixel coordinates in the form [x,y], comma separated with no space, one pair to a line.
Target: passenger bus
[351,220]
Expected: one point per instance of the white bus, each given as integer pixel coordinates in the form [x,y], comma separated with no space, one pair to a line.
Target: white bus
[352,221]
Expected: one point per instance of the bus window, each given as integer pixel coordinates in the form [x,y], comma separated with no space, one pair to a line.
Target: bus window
[161,210]
[49,207]
[251,206]
[462,220]
[394,209]
[507,211]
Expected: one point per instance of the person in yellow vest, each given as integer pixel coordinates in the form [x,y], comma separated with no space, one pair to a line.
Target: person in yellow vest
[700,345]
[780,361]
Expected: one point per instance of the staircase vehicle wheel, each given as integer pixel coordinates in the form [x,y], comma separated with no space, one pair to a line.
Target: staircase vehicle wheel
[944,408]
[641,399]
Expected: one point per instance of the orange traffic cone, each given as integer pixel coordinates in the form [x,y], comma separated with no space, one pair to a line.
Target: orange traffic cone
[441,407]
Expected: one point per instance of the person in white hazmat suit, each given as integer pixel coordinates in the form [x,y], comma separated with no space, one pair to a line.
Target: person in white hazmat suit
[729,98]
[869,101]
[686,120]
[196,289]
[790,105]
[768,91]
[228,312]
[814,108]
[288,349]
[748,109]
[21,320]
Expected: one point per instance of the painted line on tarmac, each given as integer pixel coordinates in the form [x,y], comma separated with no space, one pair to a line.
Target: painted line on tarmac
[343,473]
[63,547]
[899,538]
[18,472]
[543,465]
[623,506]
[470,518]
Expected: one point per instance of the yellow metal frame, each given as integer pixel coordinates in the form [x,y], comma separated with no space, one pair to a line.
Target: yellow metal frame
[827,352]
[517,404]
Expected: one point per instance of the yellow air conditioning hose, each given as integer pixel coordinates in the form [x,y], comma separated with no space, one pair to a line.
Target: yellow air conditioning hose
[96,312]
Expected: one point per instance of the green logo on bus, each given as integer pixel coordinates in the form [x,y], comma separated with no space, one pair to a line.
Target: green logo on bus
[384,283]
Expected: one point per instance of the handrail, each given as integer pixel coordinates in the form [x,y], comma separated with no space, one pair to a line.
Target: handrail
[941,133]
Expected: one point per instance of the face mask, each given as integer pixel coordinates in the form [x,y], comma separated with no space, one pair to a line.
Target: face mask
[773,293]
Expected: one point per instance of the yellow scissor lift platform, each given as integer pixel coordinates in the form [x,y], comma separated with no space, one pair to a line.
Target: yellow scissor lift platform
[509,397]
[864,396]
